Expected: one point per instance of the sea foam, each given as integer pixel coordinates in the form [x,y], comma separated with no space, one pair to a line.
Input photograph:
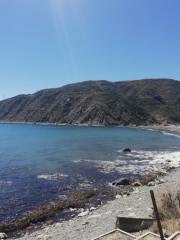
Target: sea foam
[138,162]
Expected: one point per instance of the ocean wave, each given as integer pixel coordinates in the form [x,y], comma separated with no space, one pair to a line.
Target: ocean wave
[50,177]
[171,134]
[5,183]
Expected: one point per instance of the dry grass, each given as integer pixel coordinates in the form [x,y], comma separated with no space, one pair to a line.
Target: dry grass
[169,227]
[170,206]
[169,210]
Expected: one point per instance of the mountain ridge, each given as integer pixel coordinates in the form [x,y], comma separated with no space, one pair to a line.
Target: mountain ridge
[98,102]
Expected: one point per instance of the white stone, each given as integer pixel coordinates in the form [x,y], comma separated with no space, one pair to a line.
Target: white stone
[82,214]
[92,209]
[151,184]
[3,236]
[118,196]
[160,181]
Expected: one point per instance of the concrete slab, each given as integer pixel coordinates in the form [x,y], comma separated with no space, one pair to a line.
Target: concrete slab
[175,236]
[149,236]
[116,234]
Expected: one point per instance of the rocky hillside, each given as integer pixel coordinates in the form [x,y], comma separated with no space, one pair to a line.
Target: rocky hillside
[99,102]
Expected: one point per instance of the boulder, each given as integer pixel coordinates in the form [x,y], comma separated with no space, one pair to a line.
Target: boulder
[123,182]
[126,150]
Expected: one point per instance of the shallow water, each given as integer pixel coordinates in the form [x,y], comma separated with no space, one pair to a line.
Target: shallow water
[39,163]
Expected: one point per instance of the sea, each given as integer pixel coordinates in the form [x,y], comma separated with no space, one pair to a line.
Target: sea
[40,163]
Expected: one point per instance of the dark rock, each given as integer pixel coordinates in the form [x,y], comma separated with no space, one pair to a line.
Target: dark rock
[136,184]
[123,182]
[126,150]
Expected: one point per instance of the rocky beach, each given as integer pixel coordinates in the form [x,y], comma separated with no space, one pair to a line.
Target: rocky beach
[89,120]
[94,222]
[90,222]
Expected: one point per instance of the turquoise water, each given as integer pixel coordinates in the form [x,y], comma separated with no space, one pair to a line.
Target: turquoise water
[39,163]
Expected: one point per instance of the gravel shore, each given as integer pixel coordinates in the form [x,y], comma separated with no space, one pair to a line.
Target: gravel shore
[102,219]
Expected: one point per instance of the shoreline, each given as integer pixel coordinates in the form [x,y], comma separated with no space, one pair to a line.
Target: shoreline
[95,223]
[102,219]
[164,128]
[167,129]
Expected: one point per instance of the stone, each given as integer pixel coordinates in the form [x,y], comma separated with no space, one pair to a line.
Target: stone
[160,181]
[82,214]
[85,223]
[118,196]
[123,182]
[126,150]
[3,236]
[136,184]
[151,184]
[92,209]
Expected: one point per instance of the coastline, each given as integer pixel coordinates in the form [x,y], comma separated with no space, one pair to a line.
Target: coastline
[54,124]
[171,129]
[102,219]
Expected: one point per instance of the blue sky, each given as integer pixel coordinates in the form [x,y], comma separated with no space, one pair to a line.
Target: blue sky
[49,43]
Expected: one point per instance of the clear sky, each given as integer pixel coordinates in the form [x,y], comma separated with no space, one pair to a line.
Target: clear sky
[49,43]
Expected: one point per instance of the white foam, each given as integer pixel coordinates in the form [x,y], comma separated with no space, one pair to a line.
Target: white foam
[171,134]
[50,177]
[138,162]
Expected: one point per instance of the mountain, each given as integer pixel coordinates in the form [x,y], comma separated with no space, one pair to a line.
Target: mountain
[136,102]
